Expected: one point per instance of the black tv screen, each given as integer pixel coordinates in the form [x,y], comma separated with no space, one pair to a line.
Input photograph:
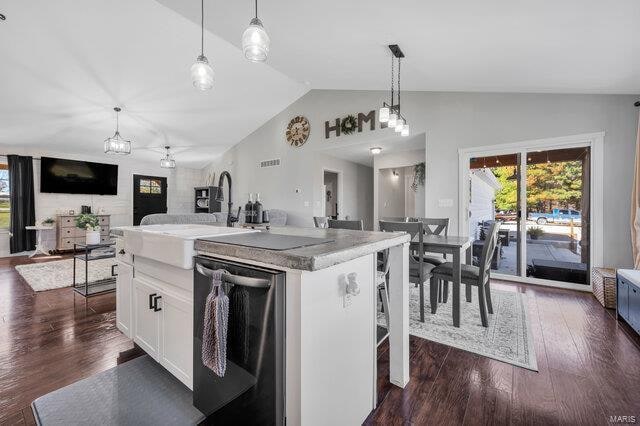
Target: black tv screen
[78,177]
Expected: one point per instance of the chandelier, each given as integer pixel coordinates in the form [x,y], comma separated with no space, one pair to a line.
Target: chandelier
[116,144]
[167,162]
[201,71]
[255,40]
[390,112]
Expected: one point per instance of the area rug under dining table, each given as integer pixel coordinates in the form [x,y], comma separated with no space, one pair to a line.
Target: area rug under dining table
[508,337]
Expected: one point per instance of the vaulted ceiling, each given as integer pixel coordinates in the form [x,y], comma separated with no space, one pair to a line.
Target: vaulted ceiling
[66,64]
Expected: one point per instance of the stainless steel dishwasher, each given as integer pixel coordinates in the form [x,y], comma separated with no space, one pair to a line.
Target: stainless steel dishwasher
[253,386]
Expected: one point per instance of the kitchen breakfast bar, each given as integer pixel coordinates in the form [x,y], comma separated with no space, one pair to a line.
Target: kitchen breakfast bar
[330,314]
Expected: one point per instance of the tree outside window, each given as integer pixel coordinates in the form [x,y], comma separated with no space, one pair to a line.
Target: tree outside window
[4,197]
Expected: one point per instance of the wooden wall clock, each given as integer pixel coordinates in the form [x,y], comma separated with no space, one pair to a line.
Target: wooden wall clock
[298,131]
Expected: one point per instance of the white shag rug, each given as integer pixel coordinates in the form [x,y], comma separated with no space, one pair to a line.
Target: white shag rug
[508,337]
[59,273]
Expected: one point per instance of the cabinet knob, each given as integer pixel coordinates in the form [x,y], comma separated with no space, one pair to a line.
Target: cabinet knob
[121,251]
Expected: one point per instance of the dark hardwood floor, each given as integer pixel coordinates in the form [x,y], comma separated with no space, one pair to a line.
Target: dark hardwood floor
[49,340]
[589,363]
[589,369]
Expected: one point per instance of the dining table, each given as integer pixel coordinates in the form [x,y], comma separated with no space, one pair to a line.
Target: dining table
[454,246]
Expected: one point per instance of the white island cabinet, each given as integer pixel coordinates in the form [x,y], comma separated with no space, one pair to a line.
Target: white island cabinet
[330,313]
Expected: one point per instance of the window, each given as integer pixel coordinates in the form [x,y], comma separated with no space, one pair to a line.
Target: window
[4,196]
[150,186]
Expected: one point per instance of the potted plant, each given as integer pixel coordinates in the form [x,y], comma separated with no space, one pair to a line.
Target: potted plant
[91,223]
[48,221]
[535,232]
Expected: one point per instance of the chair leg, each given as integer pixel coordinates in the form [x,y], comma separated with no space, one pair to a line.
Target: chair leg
[380,290]
[433,296]
[385,303]
[487,294]
[439,282]
[483,307]
[445,291]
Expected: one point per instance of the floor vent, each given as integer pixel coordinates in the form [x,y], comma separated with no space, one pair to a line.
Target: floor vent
[270,163]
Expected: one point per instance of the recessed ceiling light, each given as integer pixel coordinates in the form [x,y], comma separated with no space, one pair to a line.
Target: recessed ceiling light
[375,150]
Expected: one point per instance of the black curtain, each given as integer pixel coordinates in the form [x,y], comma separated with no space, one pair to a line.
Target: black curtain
[22,203]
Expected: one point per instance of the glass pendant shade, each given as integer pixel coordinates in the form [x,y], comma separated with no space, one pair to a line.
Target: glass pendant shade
[168,163]
[383,115]
[405,130]
[255,42]
[393,120]
[202,74]
[117,145]
[375,150]
[399,126]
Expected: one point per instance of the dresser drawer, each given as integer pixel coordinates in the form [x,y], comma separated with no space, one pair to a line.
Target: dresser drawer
[68,232]
[67,222]
[104,220]
[104,230]
[104,238]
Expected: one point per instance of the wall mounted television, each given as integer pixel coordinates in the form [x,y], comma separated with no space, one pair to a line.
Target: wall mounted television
[58,175]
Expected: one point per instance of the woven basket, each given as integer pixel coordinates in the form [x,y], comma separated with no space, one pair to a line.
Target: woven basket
[603,281]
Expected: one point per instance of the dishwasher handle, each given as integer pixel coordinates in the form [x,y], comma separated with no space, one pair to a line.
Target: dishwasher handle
[235,279]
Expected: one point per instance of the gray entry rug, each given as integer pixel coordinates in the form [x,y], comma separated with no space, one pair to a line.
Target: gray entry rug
[508,337]
[59,273]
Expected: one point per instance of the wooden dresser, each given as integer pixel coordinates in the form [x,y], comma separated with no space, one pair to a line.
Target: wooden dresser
[67,233]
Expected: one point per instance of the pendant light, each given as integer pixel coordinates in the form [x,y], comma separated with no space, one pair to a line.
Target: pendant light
[116,144]
[390,113]
[201,71]
[255,40]
[167,162]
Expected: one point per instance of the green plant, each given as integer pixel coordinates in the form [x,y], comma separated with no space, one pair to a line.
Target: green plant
[49,221]
[535,232]
[418,176]
[88,221]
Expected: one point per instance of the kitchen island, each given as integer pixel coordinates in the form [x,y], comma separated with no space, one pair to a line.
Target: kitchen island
[329,310]
[331,334]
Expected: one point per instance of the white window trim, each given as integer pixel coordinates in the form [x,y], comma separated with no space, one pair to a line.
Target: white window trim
[593,140]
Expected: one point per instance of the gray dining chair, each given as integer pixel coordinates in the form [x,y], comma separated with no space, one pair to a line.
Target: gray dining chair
[419,270]
[395,219]
[382,283]
[434,226]
[355,225]
[479,276]
[321,221]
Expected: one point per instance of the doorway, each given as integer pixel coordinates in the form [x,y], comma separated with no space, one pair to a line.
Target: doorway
[149,196]
[547,197]
[331,199]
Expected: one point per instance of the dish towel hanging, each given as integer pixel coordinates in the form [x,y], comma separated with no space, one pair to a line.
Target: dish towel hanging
[216,317]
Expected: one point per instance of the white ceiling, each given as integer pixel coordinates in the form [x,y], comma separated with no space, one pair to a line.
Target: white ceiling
[568,46]
[360,152]
[65,65]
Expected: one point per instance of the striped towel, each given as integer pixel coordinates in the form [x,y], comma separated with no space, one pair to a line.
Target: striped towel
[214,336]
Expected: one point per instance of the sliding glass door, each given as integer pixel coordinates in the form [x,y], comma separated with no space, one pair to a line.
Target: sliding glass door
[541,199]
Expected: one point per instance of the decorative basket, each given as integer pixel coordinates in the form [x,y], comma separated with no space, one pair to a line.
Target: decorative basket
[603,281]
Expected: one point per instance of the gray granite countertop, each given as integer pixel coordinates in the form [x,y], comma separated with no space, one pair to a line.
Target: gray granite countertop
[346,245]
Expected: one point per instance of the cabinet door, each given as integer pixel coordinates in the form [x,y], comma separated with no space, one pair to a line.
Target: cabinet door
[176,337]
[623,299]
[146,322]
[634,307]
[123,297]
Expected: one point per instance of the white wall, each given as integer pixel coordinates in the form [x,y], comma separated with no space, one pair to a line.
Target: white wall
[400,160]
[452,121]
[391,192]
[180,182]
[297,185]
